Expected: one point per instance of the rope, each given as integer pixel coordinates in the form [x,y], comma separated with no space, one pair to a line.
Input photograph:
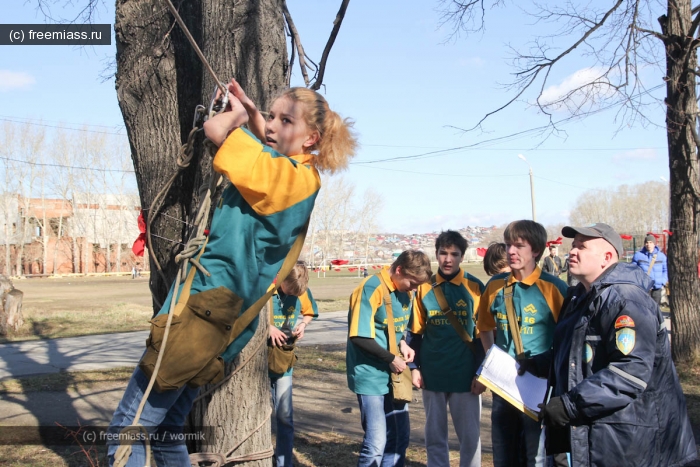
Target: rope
[265,419]
[195,47]
[184,258]
[202,457]
[184,158]
[230,375]
[220,459]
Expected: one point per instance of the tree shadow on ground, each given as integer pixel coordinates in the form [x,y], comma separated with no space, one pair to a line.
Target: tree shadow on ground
[333,450]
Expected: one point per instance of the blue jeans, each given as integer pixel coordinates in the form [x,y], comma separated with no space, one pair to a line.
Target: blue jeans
[387,431]
[517,439]
[163,412]
[281,389]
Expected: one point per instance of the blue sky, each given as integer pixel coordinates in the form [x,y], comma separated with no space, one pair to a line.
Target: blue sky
[397,74]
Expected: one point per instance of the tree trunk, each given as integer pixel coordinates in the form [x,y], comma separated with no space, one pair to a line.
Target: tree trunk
[159,82]
[235,413]
[10,307]
[75,253]
[681,116]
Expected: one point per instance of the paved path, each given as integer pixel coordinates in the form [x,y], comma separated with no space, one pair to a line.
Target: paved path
[104,351]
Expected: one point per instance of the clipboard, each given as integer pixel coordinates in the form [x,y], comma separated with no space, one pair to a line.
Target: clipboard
[499,373]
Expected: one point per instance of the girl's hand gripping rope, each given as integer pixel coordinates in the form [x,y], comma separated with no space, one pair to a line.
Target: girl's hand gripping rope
[256,121]
[218,127]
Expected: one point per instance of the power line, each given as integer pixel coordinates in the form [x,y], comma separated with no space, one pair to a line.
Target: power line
[446,174]
[60,121]
[42,164]
[84,130]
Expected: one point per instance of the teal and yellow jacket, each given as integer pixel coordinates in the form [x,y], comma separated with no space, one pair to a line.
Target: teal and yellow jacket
[290,308]
[255,223]
[537,301]
[367,317]
[445,362]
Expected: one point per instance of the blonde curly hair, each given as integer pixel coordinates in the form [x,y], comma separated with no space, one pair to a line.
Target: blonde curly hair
[337,142]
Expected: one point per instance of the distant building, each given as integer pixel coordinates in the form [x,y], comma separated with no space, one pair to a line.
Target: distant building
[89,233]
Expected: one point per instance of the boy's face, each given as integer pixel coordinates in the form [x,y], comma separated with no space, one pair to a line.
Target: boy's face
[285,128]
[448,258]
[405,282]
[284,287]
[519,254]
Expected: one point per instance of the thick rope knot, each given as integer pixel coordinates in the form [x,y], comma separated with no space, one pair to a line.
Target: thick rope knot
[186,151]
[188,253]
[131,433]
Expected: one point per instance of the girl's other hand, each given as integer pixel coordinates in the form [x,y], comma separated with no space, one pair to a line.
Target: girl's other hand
[236,89]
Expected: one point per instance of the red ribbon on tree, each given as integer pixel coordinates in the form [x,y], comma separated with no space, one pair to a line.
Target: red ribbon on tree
[667,232]
[139,245]
[626,237]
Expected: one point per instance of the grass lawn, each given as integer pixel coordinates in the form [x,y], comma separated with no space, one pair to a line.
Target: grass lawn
[78,306]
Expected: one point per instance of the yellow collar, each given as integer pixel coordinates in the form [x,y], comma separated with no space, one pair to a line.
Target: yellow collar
[529,280]
[456,280]
[303,158]
[386,278]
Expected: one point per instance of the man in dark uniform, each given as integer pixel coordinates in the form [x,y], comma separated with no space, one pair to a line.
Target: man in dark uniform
[616,396]
[552,263]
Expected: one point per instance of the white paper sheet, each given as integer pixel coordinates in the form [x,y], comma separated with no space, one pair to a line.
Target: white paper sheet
[500,372]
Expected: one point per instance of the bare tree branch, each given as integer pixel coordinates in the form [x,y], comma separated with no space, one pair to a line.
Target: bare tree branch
[540,63]
[85,15]
[292,55]
[296,40]
[331,40]
[467,15]
[652,33]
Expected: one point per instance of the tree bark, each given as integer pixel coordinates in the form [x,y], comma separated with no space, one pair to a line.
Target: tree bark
[11,318]
[237,415]
[159,82]
[681,115]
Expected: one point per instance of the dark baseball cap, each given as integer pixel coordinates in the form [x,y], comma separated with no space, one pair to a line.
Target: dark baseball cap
[598,230]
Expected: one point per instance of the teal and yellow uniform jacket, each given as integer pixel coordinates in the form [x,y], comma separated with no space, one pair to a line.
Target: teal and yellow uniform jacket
[446,363]
[537,301]
[255,223]
[367,317]
[291,307]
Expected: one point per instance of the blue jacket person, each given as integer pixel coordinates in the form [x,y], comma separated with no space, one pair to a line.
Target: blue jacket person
[617,399]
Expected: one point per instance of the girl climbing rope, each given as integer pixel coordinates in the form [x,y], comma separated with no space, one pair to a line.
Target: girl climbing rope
[273,170]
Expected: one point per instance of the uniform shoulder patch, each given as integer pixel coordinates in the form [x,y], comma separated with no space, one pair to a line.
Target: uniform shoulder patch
[588,352]
[624,321]
[625,340]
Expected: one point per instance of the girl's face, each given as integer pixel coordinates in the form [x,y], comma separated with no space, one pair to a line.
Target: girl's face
[286,130]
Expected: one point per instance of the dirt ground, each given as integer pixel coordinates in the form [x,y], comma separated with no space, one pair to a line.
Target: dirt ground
[322,402]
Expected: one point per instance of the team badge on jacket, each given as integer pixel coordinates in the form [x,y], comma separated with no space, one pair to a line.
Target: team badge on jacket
[624,321]
[588,352]
[624,338]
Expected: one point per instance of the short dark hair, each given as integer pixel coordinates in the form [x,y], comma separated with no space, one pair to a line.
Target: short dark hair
[451,238]
[495,259]
[532,232]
